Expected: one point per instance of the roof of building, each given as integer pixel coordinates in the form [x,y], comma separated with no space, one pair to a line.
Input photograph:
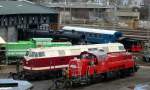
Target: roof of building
[23,7]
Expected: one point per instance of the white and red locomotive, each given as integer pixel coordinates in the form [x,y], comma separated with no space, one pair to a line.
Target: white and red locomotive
[41,61]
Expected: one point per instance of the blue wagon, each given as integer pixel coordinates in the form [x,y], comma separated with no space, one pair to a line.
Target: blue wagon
[90,35]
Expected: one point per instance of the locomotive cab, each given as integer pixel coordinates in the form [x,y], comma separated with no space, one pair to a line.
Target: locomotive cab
[31,57]
[85,65]
[33,54]
[94,56]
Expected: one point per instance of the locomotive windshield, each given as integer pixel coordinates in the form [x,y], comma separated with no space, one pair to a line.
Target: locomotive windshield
[121,48]
[27,53]
[84,56]
[41,54]
[32,54]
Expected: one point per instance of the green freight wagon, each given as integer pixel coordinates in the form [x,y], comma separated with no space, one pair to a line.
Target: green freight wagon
[16,50]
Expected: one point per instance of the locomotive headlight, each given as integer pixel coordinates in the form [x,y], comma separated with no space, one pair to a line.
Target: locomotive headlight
[27,58]
[27,62]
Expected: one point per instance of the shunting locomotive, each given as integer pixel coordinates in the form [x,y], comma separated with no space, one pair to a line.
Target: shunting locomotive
[94,66]
[98,64]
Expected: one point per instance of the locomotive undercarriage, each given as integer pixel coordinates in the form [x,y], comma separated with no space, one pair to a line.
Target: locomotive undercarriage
[103,76]
[86,80]
[36,75]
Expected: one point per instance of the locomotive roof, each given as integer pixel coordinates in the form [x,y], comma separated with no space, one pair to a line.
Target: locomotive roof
[90,30]
[97,53]
[73,47]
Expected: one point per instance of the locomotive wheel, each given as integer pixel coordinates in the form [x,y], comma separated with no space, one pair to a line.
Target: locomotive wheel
[147,59]
[56,84]
[125,73]
[96,78]
[118,74]
[122,73]
[53,85]
[107,75]
[30,77]
[15,76]
[67,83]
[129,71]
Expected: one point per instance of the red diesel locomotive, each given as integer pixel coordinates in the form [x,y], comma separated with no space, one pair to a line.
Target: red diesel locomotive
[96,65]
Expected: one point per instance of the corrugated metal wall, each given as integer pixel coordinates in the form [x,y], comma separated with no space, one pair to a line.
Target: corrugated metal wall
[3,33]
[9,33]
[12,34]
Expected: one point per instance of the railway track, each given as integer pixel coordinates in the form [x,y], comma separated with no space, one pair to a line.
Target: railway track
[139,60]
[141,37]
[139,34]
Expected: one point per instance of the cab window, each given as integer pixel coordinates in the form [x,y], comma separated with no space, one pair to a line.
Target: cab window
[27,53]
[121,48]
[41,54]
[31,54]
[36,54]
[84,56]
[92,49]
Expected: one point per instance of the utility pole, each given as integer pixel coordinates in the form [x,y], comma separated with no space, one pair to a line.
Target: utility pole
[114,13]
[65,5]
[148,29]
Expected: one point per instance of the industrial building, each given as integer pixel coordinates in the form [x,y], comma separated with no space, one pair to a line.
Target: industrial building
[17,17]
[97,12]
